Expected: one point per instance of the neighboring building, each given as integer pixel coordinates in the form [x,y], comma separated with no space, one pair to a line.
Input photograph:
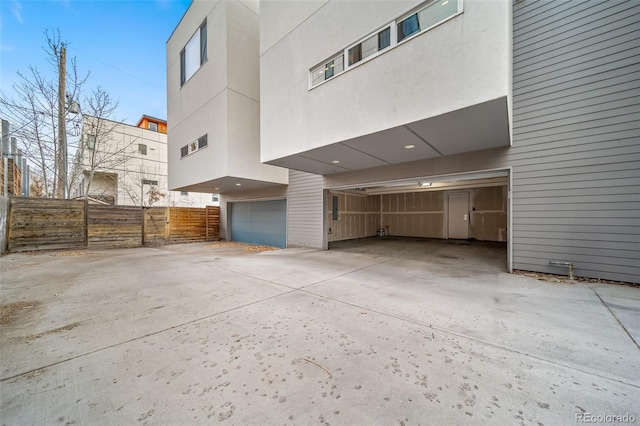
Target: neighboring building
[127,165]
[15,173]
[153,124]
[443,119]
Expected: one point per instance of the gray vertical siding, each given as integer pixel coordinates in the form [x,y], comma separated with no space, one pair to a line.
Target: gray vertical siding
[576,145]
[305,209]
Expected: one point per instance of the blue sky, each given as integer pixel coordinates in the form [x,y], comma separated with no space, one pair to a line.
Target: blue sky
[122,44]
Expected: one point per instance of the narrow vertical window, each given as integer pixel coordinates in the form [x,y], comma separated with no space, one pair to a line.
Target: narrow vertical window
[328,70]
[355,54]
[334,207]
[384,38]
[183,74]
[203,43]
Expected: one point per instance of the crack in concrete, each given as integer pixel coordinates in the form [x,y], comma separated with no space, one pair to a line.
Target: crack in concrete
[616,317]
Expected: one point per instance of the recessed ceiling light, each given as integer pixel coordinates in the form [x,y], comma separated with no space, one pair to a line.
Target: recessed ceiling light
[409,146]
[336,161]
[424,183]
[216,188]
[238,184]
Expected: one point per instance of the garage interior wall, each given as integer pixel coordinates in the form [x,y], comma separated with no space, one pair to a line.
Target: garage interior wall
[415,214]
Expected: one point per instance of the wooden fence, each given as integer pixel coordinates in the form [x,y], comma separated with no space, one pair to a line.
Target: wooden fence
[46,224]
[114,226]
[43,224]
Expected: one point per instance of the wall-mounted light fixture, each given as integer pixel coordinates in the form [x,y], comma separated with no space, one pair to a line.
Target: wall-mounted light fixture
[421,184]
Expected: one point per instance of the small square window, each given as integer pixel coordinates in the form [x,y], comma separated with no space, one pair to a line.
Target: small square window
[152,126]
[91,142]
[215,198]
[142,149]
[184,151]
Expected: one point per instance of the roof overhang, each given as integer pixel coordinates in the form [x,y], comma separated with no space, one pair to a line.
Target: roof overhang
[226,185]
[478,127]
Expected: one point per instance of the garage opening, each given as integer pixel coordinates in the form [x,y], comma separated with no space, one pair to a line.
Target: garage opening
[463,217]
[259,222]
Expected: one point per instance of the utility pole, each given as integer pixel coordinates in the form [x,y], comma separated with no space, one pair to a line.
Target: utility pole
[62,131]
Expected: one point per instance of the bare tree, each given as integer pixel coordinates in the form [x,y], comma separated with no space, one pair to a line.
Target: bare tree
[104,147]
[33,112]
[142,185]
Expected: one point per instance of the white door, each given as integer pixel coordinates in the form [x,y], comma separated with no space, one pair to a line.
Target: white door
[458,217]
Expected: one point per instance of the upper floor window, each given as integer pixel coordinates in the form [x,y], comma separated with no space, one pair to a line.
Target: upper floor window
[194,54]
[152,126]
[142,149]
[192,147]
[426,17]
[420,19]
[371,45]
[327,70]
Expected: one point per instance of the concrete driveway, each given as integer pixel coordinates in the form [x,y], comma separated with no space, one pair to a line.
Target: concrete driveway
[211,333]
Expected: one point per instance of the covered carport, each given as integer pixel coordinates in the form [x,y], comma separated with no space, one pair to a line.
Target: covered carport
[463,216]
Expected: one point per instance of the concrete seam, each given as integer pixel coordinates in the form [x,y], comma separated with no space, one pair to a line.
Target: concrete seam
[619,322]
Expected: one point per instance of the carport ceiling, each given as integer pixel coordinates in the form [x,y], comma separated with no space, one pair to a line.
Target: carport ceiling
[227,184]
[474,128]
[499,178]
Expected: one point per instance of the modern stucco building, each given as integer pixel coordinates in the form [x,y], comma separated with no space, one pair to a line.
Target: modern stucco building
[500,121]
[118,163]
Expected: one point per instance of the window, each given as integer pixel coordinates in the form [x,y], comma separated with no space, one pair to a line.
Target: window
[91,142]
[371,45]
[334,208]
[408,26]
[142,149]
[421,19]
[215,198]
[426,17]
[202,141]
[194,54]
[324,72]
[152,126]
[192,147]
[184,193]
